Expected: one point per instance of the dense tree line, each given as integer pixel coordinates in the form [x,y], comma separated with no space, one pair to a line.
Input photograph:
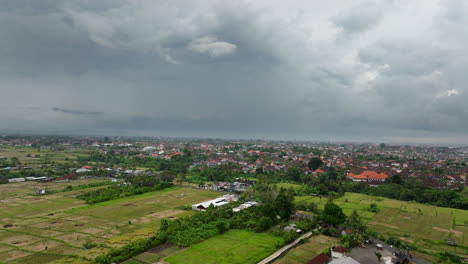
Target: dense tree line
[333,183]
[224,172]
[133,185]
[414,191]
[118,255]
[177,164]
[46,172]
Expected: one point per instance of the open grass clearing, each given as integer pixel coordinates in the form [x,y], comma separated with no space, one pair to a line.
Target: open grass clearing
[134,207]
[289,185]
[233,247]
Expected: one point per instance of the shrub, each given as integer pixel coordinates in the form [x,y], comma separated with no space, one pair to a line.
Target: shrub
[448,257]
[89,245]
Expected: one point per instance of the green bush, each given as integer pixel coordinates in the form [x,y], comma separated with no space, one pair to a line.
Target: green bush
[89,245]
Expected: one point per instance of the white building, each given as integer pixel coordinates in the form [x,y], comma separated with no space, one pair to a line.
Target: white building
[215,202]
[16,180]
[36,178]
[82,170]
[244,206]
[149,148]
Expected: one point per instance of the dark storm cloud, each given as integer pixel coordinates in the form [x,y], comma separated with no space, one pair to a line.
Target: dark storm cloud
[76,112]
[334,70]
[360,18]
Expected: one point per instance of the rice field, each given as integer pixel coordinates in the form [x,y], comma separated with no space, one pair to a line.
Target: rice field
[54,228]
[33,157]
[427,226]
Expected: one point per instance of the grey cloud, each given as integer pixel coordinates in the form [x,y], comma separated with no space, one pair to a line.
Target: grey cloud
[76,112]
[408,58]
[212,47]
[360,18]
[240,69]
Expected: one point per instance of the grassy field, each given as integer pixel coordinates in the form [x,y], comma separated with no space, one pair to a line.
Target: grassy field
[426,226]
[288,185]
[235,246]
[45,155]
[303,253]
[53,228]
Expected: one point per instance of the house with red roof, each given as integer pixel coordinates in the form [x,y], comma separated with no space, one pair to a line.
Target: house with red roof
[367,176]
[319,171]
[319,259]
[338,252]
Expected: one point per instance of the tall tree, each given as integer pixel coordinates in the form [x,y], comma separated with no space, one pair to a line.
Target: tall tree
[294,174]
[333,214]
[284,203]
[355,222]
[396,178]
[314,163]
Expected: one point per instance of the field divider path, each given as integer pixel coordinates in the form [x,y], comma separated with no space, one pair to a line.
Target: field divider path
[284,250]
[36,235]
[44,252]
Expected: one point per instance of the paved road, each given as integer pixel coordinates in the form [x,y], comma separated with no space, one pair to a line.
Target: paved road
[283,250]
[414,260]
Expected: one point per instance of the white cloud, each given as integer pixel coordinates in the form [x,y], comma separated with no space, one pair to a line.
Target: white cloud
[212,47]
[452,92]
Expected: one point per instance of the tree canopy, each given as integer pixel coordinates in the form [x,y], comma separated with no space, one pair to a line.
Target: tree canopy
[333,214]
[314,163]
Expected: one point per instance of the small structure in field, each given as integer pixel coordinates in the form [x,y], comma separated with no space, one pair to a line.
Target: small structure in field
[292,227]
[451,242]
[41,191]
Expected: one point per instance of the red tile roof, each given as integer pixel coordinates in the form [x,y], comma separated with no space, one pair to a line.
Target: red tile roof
[339,249]
[369,175]
[319,259]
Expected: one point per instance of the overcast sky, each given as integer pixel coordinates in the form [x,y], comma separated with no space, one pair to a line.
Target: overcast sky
[389,71]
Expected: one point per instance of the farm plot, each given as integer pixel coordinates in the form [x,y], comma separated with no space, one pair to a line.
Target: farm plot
[426,226]
[155,254]
[235,246]
[54,228]
[32,157]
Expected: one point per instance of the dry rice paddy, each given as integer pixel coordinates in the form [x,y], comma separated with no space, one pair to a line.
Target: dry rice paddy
[53,228]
